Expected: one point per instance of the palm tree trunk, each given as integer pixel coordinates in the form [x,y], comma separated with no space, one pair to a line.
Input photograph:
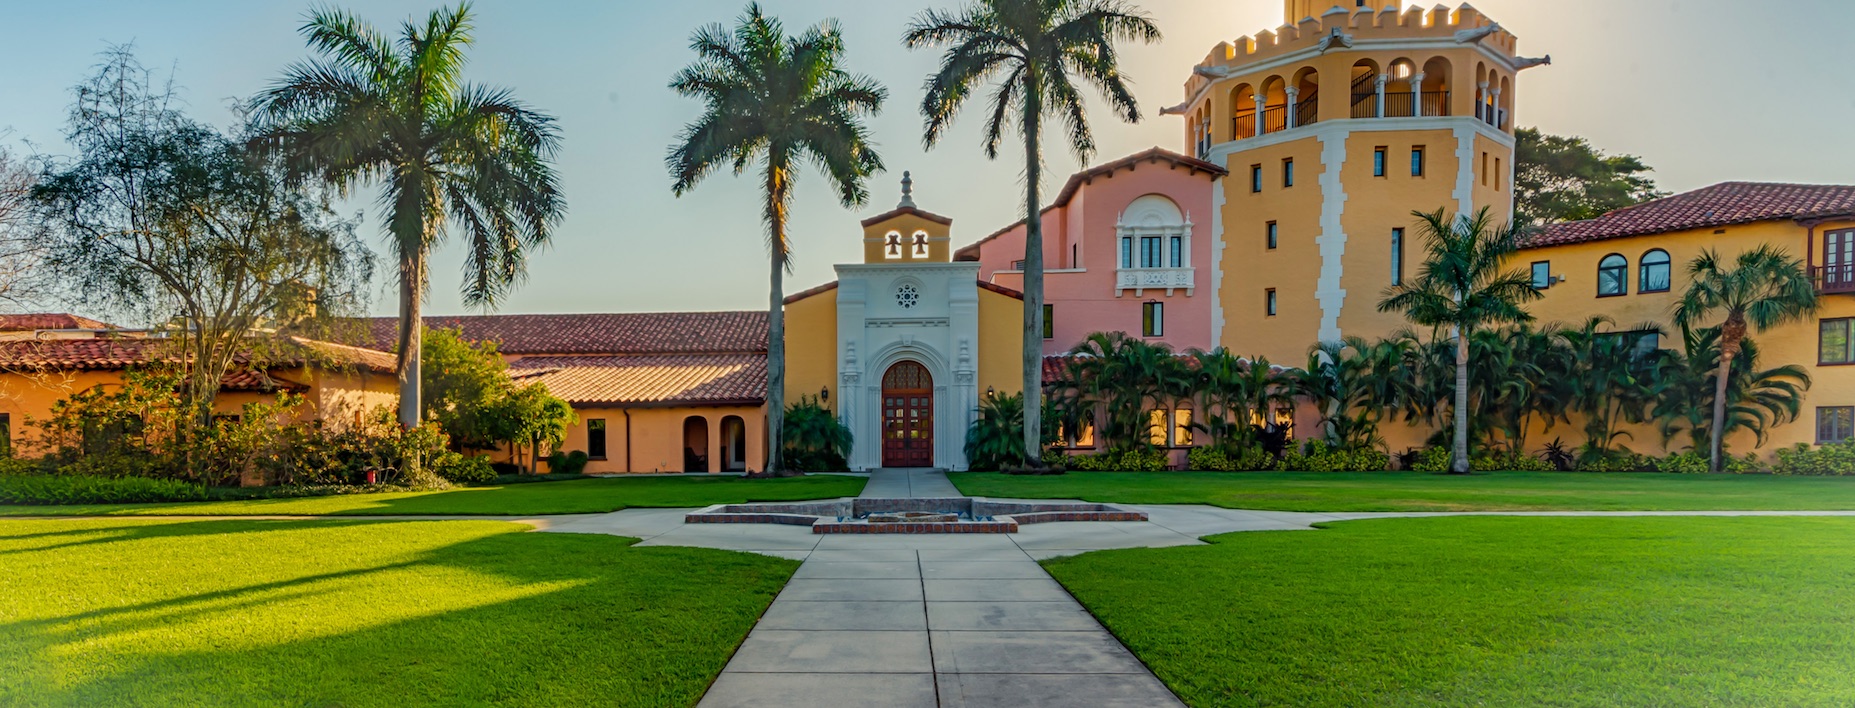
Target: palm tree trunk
[1033,274]
[776,186]
[1460,454]
[1716,445]
[411,337]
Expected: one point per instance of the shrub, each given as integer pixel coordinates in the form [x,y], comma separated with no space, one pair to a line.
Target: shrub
[504,479]
[1618,462]
[1828,460]
[572,463]
[464,469]
[1511,462]
[816,441]
[1317,456]
[1130,459]
[1217,459]
[1684,463]
[42,489]
[1431,459]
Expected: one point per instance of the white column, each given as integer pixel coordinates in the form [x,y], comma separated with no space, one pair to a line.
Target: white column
[1417,95]
[1482,107]
[1382,79]
[1294,100]
[1499,119]
[1262,104]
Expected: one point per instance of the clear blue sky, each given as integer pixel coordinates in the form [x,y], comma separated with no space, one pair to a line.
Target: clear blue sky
[1705,90]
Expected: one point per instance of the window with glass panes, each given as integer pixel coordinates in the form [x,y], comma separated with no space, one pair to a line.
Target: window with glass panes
[1835,424]
[1835,342]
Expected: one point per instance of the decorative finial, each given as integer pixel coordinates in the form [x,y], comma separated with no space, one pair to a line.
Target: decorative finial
[908,192]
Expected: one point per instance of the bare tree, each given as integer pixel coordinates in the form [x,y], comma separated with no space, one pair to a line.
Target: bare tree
[22,256]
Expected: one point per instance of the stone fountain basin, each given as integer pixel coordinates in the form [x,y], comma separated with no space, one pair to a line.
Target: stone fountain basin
[932,515]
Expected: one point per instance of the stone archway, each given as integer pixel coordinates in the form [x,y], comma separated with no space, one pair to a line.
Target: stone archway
[907,416]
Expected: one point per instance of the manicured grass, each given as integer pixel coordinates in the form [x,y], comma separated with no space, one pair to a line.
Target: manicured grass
[127,612]
[1492,612]
[1407,491]
[574,497]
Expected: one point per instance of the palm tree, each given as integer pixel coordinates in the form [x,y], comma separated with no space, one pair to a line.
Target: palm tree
[1040,48]
[778,102]
[374,111]
[1463,286]
[1757,399]
[1763,288]
[1614,382]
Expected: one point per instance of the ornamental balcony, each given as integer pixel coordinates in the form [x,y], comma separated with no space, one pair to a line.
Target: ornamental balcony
[1140,280]
[1834,279]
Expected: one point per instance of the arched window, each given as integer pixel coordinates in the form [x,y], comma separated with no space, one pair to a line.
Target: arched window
[1613,276]
[1655,272]
[921,244]
[892,245]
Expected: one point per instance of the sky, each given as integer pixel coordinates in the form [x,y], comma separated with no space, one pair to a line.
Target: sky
[1704,90]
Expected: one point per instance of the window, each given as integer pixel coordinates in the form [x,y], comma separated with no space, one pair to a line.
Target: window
[1153,319]
[907,296]
[1049,321]
[1275,233]
[1086,437]
[1499,175]
[6,435]
[1654,272]
[1378,161]
[1836,342]
[1417,161]
[1288,172]
[1484,169]
[921,244]
[1268,302]
[1542,275]
[1613,276]
[1835,424]
[1017,266]
[1182,427]
[1075,256]
[1255,178]
[1150,255]
[1156,427]
[1127,252]
[892,245]
[1397,256]
[595,438]
[1178,252]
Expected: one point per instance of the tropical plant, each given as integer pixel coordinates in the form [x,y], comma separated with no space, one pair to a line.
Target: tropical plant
[776,101]
[1036,50]
[1761,289]
[1464,286]
[815,441]
[1616,382]
[1335,381]
[995,441]
[1128,378]
[447,154]
[1757,399]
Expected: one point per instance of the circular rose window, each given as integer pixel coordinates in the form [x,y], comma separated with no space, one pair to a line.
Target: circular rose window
[907,296]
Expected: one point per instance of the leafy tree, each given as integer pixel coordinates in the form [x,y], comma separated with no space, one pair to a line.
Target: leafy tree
[1558,178]
[469,393]
[1462,286]
[1757,399]
[1761,289]
[1037,50]
[162,216]
[777,101]
[447,154]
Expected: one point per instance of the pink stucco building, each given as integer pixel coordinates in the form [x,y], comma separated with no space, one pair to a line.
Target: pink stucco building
[1127,248]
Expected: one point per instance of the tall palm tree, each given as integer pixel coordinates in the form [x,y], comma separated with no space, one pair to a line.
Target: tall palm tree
[1040,48]
[1761,289]
[776,102]
[397,113]
[1757,399]
[1463,286]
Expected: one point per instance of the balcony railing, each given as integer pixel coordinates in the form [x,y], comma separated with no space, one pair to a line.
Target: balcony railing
[1491,115]
[1397,104]
[1834,279]
[1140,280]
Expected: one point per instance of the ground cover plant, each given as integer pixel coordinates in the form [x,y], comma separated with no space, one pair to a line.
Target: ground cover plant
[1491,612]
[571,497]
[125,612]
[1411,491]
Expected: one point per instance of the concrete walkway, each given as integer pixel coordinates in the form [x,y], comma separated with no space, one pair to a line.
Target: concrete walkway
[909,484]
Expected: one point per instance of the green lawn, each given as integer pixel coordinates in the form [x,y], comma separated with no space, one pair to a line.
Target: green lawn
[1406,491]
[574,497]
[1492,612]
[126,612]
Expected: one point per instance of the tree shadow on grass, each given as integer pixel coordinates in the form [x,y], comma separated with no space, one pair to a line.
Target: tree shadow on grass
[373,613]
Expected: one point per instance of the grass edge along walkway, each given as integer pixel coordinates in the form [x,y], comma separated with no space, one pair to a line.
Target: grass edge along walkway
[1421,492]
[143,612]
[582,496]
[1472,611]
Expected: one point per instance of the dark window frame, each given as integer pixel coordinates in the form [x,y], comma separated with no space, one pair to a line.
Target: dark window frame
[1270,302]
[1274,235]
[1642,271]
[1381,160]
[1419,161]
[1152,319]
[1288,172]
[1533,273]
[1622,275]
[1255,179]
[1848,341]
[1397,256]
[1847,415]
[599,451]
[1049,321]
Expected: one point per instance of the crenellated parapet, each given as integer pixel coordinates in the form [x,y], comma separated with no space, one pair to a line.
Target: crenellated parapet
[1340,27]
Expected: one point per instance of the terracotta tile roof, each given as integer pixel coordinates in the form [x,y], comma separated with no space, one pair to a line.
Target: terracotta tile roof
[1720,205]
[108,353]
[49,320]
[1079,179]
[1000,289]
[247,380]
[802,294]
[650,380]
[621,333]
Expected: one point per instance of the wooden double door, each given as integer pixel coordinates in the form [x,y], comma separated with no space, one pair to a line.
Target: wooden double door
[907,416]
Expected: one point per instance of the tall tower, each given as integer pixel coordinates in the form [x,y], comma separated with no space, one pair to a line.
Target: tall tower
[1334,128]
